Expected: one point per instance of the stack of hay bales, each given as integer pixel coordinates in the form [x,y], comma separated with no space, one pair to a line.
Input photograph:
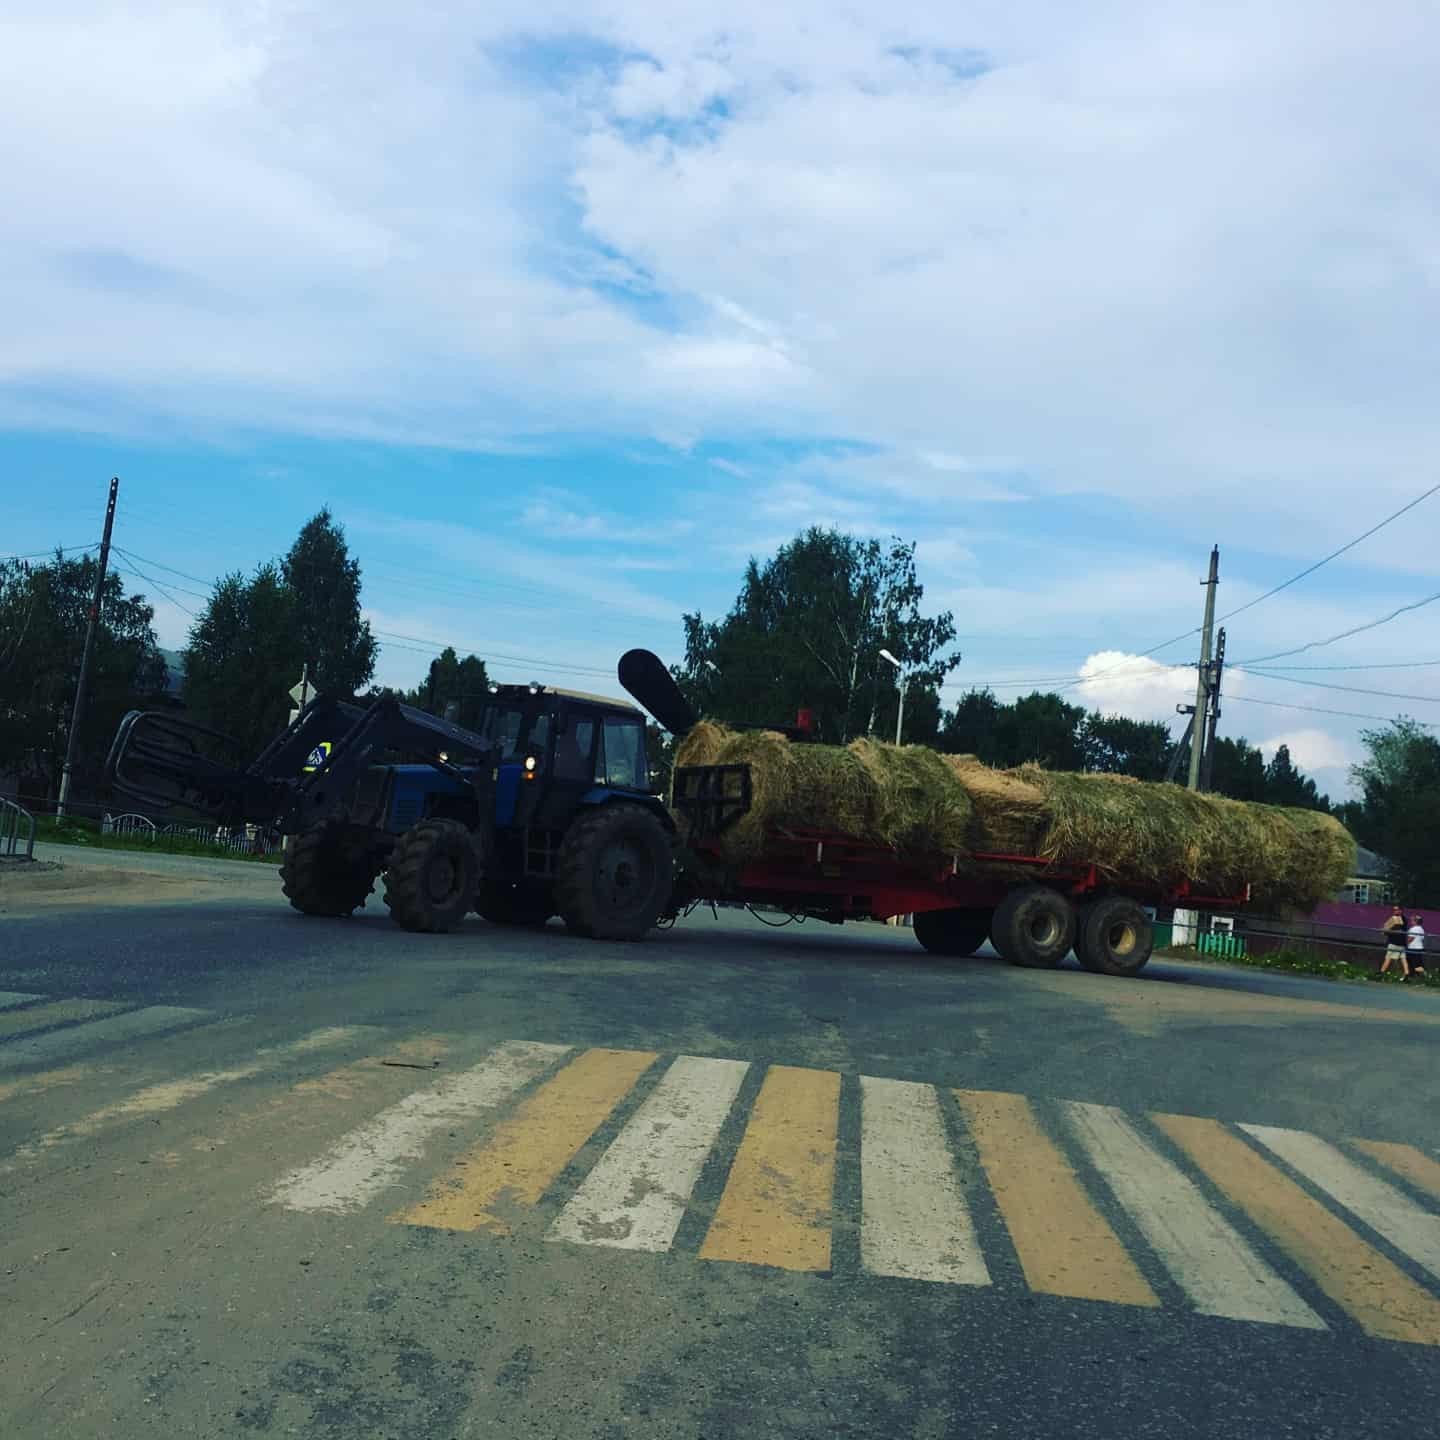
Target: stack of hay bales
[915,801]
[902,797]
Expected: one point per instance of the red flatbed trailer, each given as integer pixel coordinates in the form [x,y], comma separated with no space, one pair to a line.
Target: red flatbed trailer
[1034,910]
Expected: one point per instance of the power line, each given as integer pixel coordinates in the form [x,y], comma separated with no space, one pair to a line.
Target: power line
[54,550]
[1349,689]
[150,579]
[1393,665]
[1320,710]
[1334,554]
[1344,634]
[439,645]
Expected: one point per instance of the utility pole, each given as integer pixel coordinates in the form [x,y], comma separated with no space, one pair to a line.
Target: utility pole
[1217,669]
[75,715]
[1202,680]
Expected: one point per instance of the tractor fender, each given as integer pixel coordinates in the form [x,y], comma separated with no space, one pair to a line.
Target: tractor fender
[604,795]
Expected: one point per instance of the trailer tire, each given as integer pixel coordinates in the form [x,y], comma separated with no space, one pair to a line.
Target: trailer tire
[1114,936]
[616,872]
[507,904]
[1034,927]
[959,932]
[431,881]
[327,870]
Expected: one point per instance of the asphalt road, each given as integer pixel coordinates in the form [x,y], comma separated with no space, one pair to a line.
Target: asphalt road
[267,1175]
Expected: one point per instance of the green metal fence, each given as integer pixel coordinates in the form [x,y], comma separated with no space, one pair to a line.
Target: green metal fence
[1222,944]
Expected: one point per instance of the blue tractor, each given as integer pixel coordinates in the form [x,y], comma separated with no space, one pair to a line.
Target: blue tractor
[544,809]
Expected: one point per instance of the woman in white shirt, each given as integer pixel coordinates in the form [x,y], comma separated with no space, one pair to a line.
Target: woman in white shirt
[1415,947]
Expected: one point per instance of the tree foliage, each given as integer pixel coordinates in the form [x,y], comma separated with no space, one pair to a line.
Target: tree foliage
[451,680]
[324,582]
[44,610]
[1399,817]
[806,630]
[255,636]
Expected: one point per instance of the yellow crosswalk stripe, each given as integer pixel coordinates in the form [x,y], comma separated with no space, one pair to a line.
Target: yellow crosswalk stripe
[1370,1288]
[520,1161]
[58,1012]
[776,1207]
[1406,1161]
[1064,1244]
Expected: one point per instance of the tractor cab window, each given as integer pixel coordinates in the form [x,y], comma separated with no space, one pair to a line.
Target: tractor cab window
[621,761]
[573,747]
[505,726]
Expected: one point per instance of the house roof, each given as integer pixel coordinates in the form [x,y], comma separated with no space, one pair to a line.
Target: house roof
[1369,865]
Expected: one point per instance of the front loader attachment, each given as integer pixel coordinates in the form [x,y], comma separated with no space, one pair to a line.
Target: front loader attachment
[163,763]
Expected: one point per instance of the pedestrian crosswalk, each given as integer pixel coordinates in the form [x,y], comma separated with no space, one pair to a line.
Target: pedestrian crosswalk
[722,1161]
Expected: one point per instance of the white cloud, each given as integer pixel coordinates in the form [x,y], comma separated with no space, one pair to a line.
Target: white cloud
[1132,249]
[1116,683]
[1313,750]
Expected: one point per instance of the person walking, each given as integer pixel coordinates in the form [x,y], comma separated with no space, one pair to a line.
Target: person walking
[1395,940]
[1415,946]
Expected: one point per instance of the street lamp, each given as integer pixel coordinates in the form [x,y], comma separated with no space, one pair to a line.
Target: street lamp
[900,679]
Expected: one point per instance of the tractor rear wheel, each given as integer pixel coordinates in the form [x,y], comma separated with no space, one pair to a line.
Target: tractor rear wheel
[328,870]
[1034,927]
[616,872]
[506,904]
[1114,937]
[957,932]
[430,883]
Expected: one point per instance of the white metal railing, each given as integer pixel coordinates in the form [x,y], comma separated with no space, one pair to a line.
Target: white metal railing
[14,817]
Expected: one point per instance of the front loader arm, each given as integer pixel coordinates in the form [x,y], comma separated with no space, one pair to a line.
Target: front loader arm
[164,762]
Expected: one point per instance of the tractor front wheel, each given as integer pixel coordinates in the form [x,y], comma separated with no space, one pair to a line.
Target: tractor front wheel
[616,872]
[328,870]
[430,883]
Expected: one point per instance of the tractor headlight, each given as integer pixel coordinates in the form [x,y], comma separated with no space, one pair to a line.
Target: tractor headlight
[531,765]
[534,687]
[445,755]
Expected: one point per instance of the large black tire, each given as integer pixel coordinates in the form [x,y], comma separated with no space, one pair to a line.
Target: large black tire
[505,904]
[1114,936]
[431,881]
[327,870]
[616,871]
[1034,927]
[957,932]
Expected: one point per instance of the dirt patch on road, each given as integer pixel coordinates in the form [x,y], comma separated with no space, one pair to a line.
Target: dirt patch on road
[1152,1006]
[53,887]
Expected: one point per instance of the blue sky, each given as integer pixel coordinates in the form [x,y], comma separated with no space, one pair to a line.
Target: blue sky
[567,309]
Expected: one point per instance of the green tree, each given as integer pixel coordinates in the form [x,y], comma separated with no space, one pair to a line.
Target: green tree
[1239,770]
[1286,784]
[325,582]
[806,630]
[453,680]
[1400,819]
[1043,728]
[242,657]
[1121,746]
[971,727]
[44,610]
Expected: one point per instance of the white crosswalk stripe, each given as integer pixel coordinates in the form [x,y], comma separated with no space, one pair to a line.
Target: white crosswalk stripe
[1208,1258]
[914,1220]
[637,1193]
[58,1045]
[372,1157]
[1387,1211]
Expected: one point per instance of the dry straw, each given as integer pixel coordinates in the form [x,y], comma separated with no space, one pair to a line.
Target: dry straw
[916,802]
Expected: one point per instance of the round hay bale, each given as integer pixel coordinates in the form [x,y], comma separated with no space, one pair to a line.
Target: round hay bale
[1011,812]
[919,805]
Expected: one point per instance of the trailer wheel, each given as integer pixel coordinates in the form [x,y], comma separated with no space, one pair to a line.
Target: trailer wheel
[616,872]
[1034,927]
[1114,936]
[327,870]
[507,904]
[431,881]
[959,932]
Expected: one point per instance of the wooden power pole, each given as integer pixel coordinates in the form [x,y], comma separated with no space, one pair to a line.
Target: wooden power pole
[77,713]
